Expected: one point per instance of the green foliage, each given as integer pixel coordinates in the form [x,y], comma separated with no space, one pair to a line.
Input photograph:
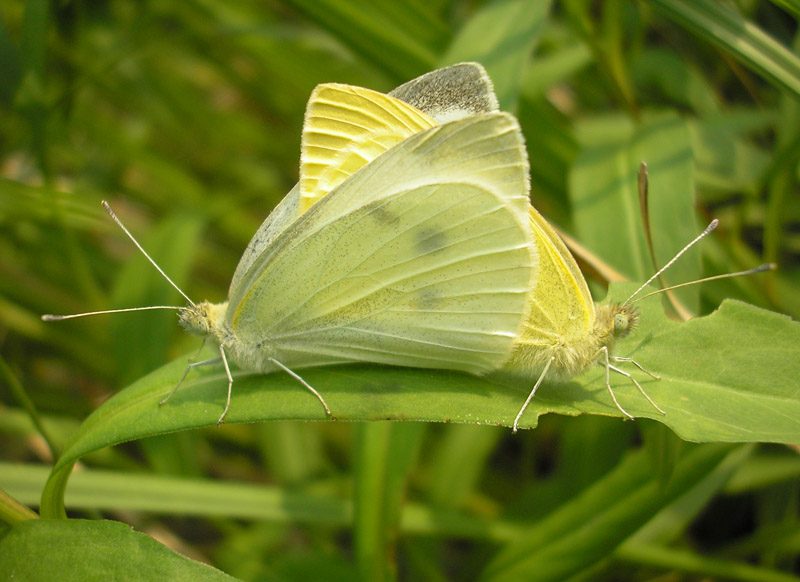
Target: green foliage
[43,549]
[186,117]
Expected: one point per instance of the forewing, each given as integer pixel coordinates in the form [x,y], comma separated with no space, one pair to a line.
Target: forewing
[421,259]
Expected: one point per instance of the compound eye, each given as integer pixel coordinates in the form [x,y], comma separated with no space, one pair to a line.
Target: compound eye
[621,322]
[625,320]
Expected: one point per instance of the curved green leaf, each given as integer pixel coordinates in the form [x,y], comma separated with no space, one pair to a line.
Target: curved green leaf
[727,377]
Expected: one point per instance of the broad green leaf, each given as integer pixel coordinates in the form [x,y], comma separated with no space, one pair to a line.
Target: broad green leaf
[607,215]
[74,549]
[727,377]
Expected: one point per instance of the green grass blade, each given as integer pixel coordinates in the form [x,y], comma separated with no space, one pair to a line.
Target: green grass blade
[588,528]
[400,37]
[717,23]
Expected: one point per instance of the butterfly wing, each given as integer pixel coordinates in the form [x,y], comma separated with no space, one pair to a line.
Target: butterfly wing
[560,303]
[345,128]
[422,258]
[284,214]
[450,93]
[442,95]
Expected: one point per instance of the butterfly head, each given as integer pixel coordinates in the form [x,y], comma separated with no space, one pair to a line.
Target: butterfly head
[614,321]
[203,318]
[625,319]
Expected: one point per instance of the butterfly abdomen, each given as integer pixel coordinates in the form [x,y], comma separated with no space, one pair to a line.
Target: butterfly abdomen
[570,356]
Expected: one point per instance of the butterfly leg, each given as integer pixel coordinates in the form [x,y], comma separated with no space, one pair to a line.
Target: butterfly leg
[617,359]
[608,368]
[531,395]
[189,367]
[192,365]
[222,416]
[304,383]
[636,383]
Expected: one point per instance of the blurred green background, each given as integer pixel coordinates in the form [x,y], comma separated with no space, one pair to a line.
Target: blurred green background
[186,117]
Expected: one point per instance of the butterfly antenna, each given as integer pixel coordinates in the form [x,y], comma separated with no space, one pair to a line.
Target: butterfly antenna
[144,252]
[712,225]
[753,271]
[51,317]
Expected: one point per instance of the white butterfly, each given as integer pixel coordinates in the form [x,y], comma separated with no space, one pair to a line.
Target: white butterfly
[409,248]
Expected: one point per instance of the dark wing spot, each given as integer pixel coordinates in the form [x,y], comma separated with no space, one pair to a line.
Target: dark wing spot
[427,300]
[383,216]
[429,240]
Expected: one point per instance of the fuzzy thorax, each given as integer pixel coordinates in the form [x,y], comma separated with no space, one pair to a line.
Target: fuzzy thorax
[209,320]
[571,353]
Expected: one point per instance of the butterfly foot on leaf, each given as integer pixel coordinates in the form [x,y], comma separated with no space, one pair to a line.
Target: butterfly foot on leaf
[635,383]
[641,368]
[625,414]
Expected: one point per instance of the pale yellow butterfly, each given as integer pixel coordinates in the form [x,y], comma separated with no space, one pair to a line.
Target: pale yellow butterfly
[348,127]
[345,128]
[422,257]
[566,332]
